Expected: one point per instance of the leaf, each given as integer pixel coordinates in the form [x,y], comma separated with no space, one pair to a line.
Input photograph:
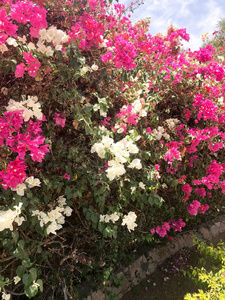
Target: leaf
[20,271]
[94,218]
[33,273]
[30,291]
[39,281]
[27,279]
[75,64]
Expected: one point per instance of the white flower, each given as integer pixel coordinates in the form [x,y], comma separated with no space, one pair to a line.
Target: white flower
[12,42]
[20,189]
[94,67]
[220,100]
[58,47]
[35,284]
[31,46]
[129,220]
[16,279]
[132,147]
[137,106]
[164,186]
[22,39]
[142,185]
[99,149]
[107,141]
[133,188]
[61,201]
[3,48]
[102,218]
[120,130]
[6,296]
[19,220]
[49,51]
[8,217]
[103,113]
[114,217]
[142,113]
[102,128]
[107,218]
[115,169]
[84,70]
[68,211]
[166,136]
[32,182]
[221,58]
[136,163]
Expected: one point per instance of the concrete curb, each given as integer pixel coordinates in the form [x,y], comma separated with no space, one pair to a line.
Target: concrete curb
[146,264]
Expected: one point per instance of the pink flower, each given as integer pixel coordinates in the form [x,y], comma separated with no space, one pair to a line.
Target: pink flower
[203,208]
[193,207]
[59,121]
[20,69]
[157,167]
[187,188]
[148,129]
[152,231]
[107,56]
[161,231]
[66,176]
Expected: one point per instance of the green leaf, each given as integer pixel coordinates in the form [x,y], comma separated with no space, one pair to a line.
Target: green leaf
[94,218]
[27,279]
[8,244]
[30,291]
[39,281]
[20,271]
[68,192]
[75,64]
[21,244]
[33,273]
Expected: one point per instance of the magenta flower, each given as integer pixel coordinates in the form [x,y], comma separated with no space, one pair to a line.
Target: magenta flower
[66,176]
[20,69]
[59,121]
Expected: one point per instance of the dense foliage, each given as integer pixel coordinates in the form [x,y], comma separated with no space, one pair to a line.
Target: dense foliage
[213,279]
[109,138]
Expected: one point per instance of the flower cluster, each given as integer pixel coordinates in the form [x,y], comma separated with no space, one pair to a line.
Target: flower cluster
[30,107]
[121,152]
[196,207]
[9,216]
[11,125]
[32,66]
[166,226]
[107,218]
[30,181]
[55,217]
[53,36]
[128,220]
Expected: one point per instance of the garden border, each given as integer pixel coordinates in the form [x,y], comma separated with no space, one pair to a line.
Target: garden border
[145,265]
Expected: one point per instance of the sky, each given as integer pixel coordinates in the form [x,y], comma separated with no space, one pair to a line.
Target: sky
[197,16]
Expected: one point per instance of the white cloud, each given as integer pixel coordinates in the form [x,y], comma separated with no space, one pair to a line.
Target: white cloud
[197,16]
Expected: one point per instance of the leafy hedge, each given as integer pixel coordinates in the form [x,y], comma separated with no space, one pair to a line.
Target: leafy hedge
[109,138]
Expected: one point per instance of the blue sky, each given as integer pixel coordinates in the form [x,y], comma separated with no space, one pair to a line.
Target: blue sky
[197,16]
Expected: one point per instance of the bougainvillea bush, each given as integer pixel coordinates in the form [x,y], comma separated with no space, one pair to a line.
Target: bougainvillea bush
[109,138]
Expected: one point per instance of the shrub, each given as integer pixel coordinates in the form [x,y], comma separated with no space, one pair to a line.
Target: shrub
[213,279]
[110,137]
